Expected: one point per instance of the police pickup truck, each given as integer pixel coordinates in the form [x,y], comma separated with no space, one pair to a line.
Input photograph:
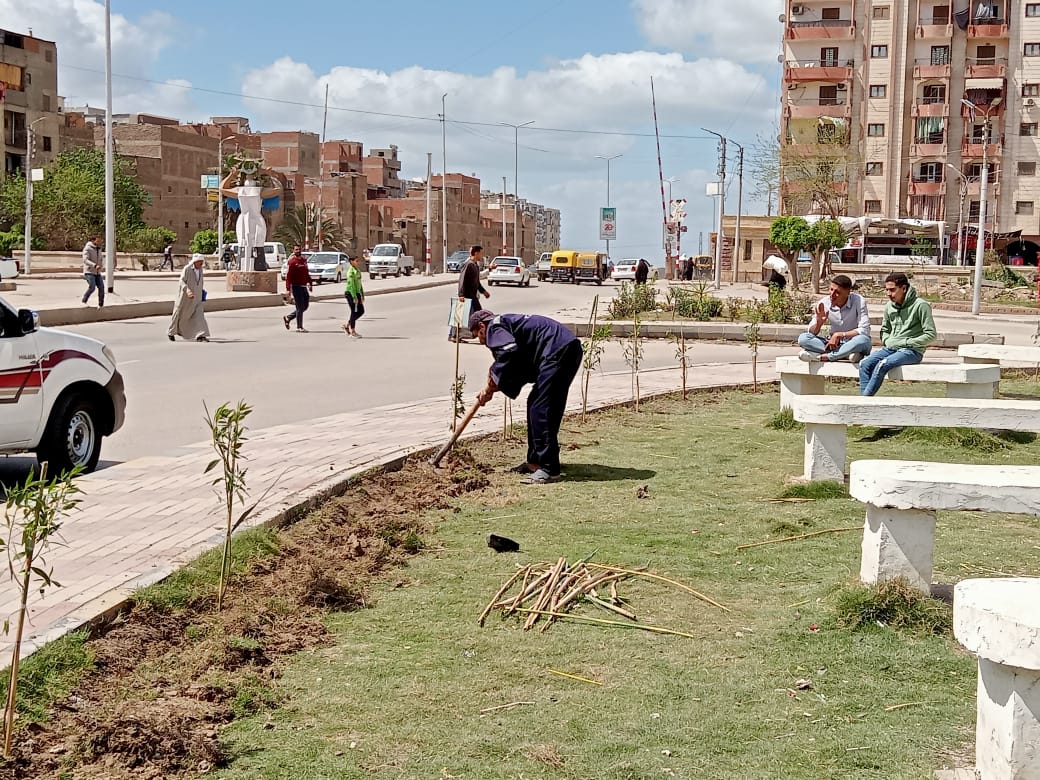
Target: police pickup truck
[60,392]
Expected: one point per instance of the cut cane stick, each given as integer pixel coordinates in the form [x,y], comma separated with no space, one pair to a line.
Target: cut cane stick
[539,606]
[687,588]
[608,606]
[503,589]
[801,536]
[599,622]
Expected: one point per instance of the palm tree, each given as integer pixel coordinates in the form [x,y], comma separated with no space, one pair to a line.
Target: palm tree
[300,226]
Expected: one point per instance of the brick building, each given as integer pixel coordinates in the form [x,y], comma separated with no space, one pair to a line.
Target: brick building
[383,169]
[29,99]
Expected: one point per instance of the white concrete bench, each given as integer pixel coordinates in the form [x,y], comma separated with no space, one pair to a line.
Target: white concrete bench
[998,620]
[902,498]
[1005,354]
[827,418]
[962,380]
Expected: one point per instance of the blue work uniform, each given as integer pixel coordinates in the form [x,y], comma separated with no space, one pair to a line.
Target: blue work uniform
[536,349]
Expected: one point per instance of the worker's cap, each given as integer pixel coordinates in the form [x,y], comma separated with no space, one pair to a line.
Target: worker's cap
[480,317]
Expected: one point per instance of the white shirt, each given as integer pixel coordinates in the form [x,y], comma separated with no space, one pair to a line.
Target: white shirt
[852,317]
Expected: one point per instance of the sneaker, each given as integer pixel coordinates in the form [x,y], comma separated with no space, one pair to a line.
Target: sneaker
[808,357]
[302,330]
[855,357]
[523,468]
[355,335]
[540,477]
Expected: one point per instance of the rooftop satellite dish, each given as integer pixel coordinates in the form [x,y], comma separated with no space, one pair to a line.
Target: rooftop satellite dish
[782,18]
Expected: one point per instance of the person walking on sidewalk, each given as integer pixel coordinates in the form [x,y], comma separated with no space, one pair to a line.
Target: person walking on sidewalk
[92,270]
[848,321]
[189,317]
[470,288]
[299,283]
[536,349]
[355,296]
[167,257]
[906,331]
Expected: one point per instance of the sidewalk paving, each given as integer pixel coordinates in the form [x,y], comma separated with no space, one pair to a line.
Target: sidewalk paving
[141,520]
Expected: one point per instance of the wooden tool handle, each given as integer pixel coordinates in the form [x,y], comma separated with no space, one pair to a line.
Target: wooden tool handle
[436,459]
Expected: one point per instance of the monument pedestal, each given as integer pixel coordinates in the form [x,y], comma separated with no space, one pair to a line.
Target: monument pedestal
[252,281]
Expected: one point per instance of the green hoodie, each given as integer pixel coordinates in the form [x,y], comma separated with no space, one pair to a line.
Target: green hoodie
[908,326]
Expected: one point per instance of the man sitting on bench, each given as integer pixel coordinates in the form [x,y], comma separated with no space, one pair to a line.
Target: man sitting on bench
[906,331]
[846,312]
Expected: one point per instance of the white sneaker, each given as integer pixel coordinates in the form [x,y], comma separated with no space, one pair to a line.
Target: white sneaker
[808,357]
[855,357]
[355,335]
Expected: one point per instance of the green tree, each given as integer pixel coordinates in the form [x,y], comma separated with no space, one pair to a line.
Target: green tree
[790,235]
[204,242]
[149,239]
[298,227]
[825,235]
[69,204]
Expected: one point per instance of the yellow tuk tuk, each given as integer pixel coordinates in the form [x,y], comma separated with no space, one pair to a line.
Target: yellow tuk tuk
[563,265]
[592,267]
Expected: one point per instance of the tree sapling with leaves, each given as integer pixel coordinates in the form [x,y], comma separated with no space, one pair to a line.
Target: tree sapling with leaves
[632,347]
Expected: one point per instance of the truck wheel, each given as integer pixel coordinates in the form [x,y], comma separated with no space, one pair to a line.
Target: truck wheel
[72,437]
[407,271]
[383,276]
[371,276]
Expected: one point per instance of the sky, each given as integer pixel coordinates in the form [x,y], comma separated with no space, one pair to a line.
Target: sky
[578,71]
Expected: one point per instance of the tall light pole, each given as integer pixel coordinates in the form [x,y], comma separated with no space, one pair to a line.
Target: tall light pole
[719,238]
[29,193]
[669,181]
[516,180]
[608,159]
[503,215]
[220,198]
[110,199]
[321,165]
[444,187]
[740,205]
[980,241]
[960,212]
[428,270]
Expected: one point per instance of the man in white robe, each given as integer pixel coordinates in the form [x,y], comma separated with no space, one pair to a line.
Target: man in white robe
[189,319]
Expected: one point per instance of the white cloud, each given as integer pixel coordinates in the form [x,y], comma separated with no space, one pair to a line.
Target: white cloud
[745,30]
[78,26]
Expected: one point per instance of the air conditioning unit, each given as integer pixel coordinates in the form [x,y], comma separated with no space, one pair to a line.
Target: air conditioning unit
[841,86]
[1029,102]
[797,10]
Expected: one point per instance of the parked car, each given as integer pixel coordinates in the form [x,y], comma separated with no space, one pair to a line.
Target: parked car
[389,260]
[543,266]
[625,271]
[509,270]
[327,266]
[9,268]
[61,394]
[455,261]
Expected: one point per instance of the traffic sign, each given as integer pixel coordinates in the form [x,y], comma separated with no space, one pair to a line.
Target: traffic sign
[608,224]
[209,181]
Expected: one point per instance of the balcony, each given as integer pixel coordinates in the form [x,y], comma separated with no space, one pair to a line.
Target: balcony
[932,145]
[988,28]
[983,105]
[800,71]
[985,68]
[930,27]
[929,69]
[930,107]
[973,148]
[822,29]
[927,184]
[814,108]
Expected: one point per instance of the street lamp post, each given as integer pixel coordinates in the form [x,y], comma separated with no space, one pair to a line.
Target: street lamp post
[220,198]
[960,212]
[516,180]
[608,159]
[719,238]
[29,193]
[980,241]
[110,197]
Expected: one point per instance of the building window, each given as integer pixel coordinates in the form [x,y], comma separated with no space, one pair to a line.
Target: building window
[830,13]
[876,130]
[872,206]
[973,170]
[1027,169]
[973,210]
[28,76]
[875,168]
[880,51]
[881,12]
[185,224]
[829,96]
[878,90]
[1031,90]
[169,189]
[48,55]
[1023,207]
[1032,9]
[1027,128]
[1032,50]
[940,55]
[46,143]
[934,93]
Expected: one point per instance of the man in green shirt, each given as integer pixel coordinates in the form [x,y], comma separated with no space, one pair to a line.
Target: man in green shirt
[355,296]
[906,331]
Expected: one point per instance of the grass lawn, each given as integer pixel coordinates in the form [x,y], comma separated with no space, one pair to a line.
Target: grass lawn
[774,688]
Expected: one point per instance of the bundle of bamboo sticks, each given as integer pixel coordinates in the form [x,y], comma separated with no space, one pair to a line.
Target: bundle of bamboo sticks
[549,591]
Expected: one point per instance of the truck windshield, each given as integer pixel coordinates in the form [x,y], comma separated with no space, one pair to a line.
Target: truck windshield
[386,251]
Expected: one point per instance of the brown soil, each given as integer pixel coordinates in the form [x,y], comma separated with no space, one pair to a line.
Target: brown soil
[167,681]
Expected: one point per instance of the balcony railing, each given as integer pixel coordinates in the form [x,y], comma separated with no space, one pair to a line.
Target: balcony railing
[822,23]
[931,138]
[932,68]
[926,178]
[935,21]
[826,63]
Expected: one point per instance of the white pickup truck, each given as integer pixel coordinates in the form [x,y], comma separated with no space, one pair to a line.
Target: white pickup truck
[389,260]
[60,392]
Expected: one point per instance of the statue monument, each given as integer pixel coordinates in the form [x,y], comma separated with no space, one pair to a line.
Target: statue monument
[250,198]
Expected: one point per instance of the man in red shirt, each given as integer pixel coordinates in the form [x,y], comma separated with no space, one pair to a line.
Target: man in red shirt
[297,282]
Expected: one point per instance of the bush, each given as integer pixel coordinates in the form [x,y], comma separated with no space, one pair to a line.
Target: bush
[204,242]
[150,239]
[999,272]
[892,604]
[631,300]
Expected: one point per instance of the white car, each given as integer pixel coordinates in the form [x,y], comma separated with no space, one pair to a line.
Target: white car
[327,266]
[509,270]
[625,271]
[60,394]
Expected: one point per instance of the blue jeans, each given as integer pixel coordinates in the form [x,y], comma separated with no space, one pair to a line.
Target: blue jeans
[818,344]
[874,367]
[95,282]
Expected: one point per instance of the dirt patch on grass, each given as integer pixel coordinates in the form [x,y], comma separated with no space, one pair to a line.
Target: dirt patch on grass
[166,679]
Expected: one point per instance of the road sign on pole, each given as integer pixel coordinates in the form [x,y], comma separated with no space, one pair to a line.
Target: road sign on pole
[209,181]
[608,224]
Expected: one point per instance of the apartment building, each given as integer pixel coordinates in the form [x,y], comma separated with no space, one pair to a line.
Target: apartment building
[891,107]
[382,168]
[29,100]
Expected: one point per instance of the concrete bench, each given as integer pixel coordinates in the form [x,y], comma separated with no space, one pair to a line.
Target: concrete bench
[827,418]
[962,381]
[998,621]
[999,353]
[902,498]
